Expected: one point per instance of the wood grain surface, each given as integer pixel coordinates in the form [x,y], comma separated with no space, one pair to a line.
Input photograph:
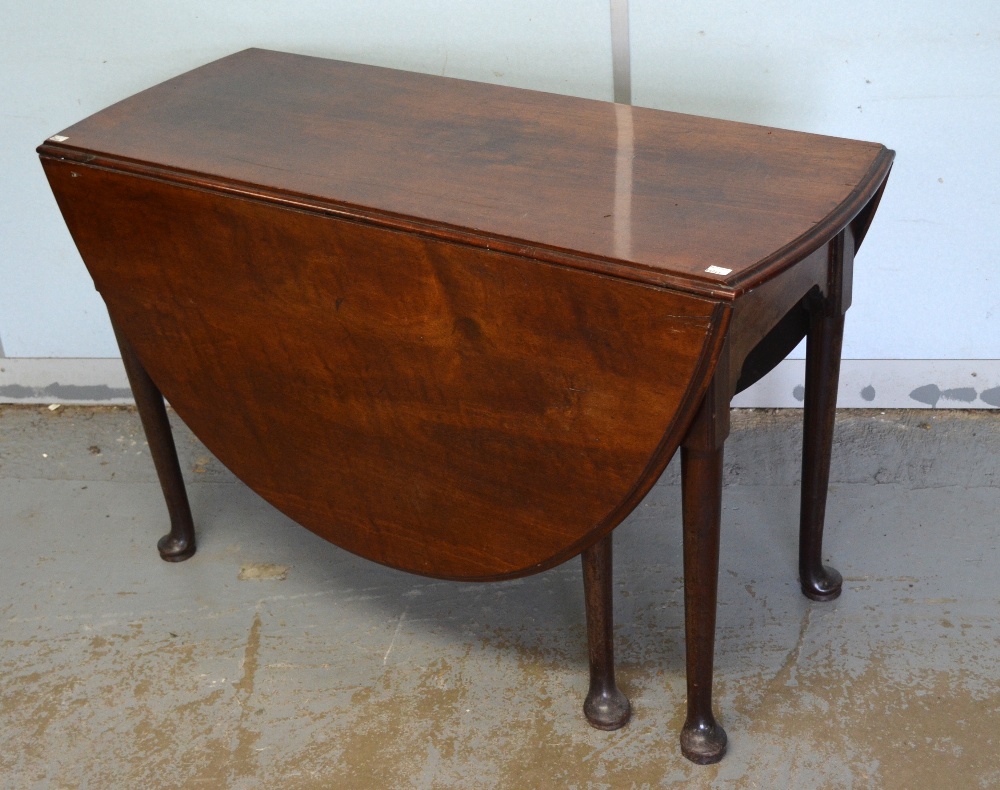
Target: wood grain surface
[643,194]
[437,407]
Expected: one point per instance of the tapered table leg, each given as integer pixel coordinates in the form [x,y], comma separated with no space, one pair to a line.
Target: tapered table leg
[703,740]
[819,582]
[606,707]
[179,543]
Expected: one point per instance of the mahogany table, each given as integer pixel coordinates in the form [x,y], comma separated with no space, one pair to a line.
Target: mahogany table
[460,329]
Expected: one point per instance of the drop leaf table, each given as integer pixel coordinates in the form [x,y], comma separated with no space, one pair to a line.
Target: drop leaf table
[460,329]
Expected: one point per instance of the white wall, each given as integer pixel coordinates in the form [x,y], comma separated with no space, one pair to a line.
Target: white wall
[62,61]
[920,76]
[923,77]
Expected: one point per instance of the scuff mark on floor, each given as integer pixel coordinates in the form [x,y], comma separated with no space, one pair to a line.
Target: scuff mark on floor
[262,571]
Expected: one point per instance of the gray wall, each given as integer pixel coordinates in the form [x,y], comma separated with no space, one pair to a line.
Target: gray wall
[919,76]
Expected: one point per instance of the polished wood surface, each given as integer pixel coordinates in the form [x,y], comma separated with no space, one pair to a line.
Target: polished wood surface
[179,544]
[605,707]
[436,407]
[645,194]
[461,329]
[703,740]
[824,338]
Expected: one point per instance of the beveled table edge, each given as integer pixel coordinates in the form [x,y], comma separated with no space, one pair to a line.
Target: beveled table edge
[725,289]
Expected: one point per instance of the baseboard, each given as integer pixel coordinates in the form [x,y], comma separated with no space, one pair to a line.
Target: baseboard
[887,384]
[63,380]
[864,383]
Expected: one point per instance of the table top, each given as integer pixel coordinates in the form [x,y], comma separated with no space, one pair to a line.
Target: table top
[705,206]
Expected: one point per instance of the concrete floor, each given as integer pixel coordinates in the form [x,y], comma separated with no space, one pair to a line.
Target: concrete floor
[275,659]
